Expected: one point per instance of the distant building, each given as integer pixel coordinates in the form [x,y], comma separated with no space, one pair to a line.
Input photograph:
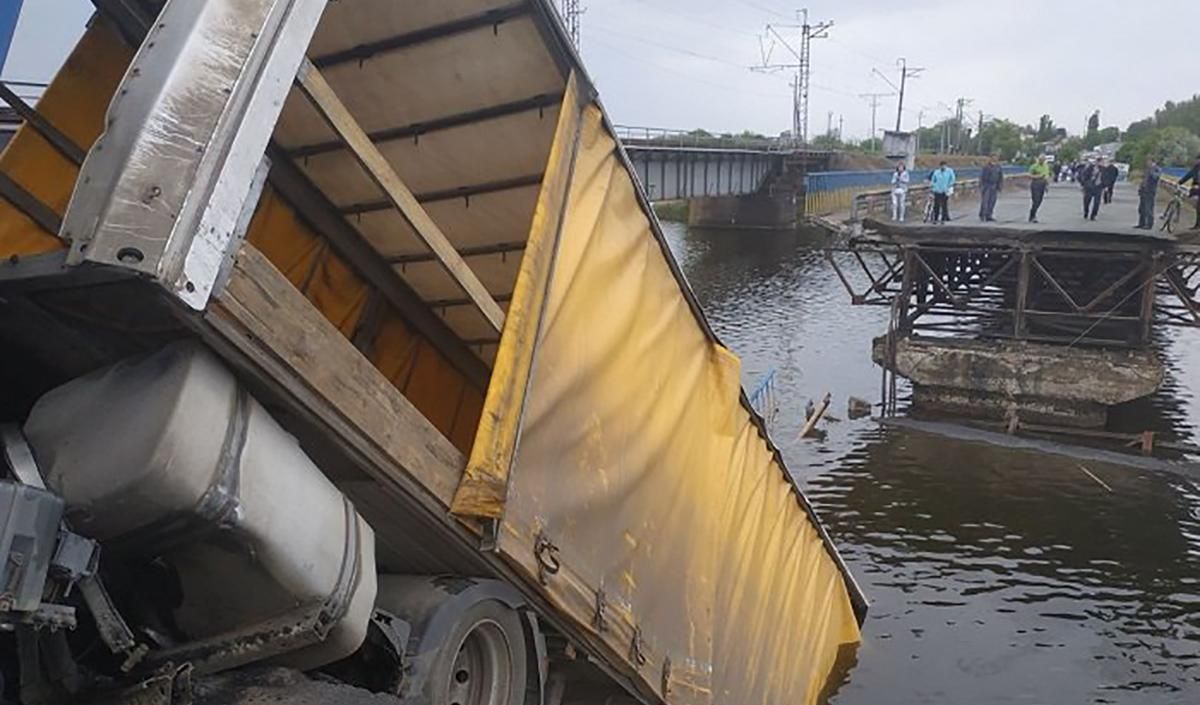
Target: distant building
[1104,151]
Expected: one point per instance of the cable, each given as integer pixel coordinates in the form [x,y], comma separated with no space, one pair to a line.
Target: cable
[642,61]
[668,47]
[860,52]
[696,20]
[768,10]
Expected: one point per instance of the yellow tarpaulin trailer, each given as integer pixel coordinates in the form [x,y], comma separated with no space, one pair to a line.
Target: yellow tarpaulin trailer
[441,230]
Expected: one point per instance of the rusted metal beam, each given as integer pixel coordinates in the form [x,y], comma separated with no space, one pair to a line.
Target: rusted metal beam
[42,126]
[459,303]
[419,129]
[500,248]
[45,216]
[451,193]
[491,18]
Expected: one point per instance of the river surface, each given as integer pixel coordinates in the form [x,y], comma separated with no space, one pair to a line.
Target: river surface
[996,575]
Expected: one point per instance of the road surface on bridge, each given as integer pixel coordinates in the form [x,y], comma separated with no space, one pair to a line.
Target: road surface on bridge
[1062,211]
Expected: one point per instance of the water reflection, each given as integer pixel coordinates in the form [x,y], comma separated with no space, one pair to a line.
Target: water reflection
[996,575]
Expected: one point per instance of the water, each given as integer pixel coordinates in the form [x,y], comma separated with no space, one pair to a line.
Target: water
[995,575]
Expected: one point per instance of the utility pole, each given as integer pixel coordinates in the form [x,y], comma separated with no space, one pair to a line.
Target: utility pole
[571,14]
[841,122]
[874,99]
[979,135]
[920,126]
[905,74]
[829,124]
[802,65]
[961,103]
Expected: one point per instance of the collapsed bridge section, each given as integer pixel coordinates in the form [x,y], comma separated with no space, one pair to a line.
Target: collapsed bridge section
[1049,325]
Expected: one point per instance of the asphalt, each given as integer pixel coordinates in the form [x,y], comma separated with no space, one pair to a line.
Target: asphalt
[1062,211]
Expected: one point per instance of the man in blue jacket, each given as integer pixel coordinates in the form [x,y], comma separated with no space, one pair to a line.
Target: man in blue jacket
[1193,176]
[941,183]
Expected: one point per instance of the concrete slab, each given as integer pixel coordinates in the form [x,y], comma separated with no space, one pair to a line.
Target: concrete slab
[1043,383]
[1062,210]
[1060,219]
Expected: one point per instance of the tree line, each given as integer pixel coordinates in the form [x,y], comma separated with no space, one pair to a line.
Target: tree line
[1171,136]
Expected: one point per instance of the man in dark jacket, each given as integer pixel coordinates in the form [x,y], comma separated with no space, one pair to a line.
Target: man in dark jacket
[1108,177]
[1194,176]
[991,180]
[1147,192]
[1091,181]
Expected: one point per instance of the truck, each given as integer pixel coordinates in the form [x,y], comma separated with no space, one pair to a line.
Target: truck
[344,360]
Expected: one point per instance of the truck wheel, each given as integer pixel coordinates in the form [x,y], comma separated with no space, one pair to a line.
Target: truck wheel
[483,659]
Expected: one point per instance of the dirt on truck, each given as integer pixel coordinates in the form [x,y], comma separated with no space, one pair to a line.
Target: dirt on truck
[344,361]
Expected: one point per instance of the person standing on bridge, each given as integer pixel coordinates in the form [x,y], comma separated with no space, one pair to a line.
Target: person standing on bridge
[941,184]
[1108,176]
[1091,179]
[1147,191]
[1193,176]
[900,179]
[991,180]
[1039,179]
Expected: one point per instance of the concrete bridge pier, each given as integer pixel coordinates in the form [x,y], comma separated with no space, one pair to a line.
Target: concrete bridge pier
[778,203]
[770,211]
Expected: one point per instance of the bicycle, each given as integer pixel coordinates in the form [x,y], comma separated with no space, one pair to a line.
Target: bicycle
[1171,214]
[927,216]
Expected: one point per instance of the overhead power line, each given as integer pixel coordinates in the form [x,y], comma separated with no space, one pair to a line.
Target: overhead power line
[765,9]
[802,65]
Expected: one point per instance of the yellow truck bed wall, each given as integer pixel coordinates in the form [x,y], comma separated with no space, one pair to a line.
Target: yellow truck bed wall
[640,481]
[76,102]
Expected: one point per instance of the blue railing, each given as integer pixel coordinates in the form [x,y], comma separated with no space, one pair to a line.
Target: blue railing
[830,192]
[10,11]
[838,180]
[762,399]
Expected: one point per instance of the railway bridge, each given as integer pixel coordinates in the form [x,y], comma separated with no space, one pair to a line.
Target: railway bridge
[728,181]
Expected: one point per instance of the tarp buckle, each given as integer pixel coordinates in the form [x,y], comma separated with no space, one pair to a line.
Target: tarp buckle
[636,654]
[546,554]
[600,617]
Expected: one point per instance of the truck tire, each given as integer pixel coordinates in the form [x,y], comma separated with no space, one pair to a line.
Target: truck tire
[482,661]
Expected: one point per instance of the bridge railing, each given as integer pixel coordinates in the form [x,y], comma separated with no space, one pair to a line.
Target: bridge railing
[693,139]
[830,192]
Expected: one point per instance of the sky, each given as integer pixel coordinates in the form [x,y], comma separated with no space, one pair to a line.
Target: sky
[686,63]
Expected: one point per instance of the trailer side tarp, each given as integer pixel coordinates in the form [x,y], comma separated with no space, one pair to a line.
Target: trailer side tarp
[643,497]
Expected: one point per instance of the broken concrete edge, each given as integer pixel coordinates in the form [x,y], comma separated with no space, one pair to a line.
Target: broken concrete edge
[1040,382]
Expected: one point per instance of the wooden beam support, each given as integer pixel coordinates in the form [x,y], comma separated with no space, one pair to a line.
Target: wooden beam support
[322,216]
[321,95]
